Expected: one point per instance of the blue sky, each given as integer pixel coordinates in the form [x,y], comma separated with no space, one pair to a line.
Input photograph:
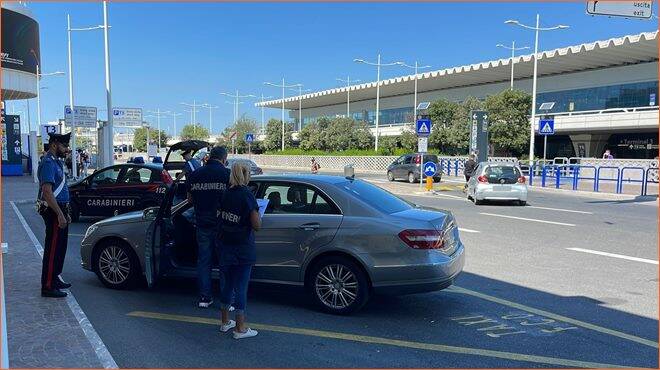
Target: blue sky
[166,53]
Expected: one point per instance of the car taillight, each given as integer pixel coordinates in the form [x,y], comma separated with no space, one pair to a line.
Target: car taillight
[521,180]
[417,159]
[482,179]
[165,176]
[422,239]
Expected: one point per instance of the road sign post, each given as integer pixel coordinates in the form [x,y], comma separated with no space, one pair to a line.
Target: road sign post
[479,134]
[546,128]
[249,138]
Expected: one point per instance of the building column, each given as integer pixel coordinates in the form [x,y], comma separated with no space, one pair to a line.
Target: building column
[592,145]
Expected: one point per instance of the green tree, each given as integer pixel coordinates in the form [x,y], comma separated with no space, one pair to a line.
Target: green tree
[273,140]
[451,125]
[194,132]
[508,118]
[242,127]
[408,141]
[346,133]
[140,138]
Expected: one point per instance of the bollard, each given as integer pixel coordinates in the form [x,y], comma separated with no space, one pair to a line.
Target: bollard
[429,183]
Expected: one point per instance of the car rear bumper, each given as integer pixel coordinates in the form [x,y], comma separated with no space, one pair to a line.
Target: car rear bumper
[490,192]
[418,278]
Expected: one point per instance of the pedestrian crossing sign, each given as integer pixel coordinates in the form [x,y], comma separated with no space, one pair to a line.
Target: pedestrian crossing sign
[546,127]
[423,127]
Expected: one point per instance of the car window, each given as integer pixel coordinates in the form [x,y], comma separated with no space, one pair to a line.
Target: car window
[286,198]
[502,171]
[407,159]
[106,177]
[137,175]
[375,196]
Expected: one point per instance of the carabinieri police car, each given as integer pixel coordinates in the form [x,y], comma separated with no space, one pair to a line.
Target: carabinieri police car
[119,189]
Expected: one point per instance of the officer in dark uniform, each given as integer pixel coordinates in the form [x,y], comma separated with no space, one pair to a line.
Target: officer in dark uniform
[53,202]
[192,164]
[206,186]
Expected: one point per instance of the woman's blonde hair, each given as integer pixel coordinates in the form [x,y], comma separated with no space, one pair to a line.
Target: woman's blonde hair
[240,174]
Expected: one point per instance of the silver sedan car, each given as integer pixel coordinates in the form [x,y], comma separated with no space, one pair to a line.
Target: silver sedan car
[497,181]
[340,238]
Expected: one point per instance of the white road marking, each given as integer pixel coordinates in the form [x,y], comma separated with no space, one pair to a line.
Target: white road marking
[451,196]
[526,219]
[561,210]
[621,256]
[468,230]
[102,353]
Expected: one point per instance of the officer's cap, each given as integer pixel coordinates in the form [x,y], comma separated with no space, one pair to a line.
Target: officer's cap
[62,139]
[218,152]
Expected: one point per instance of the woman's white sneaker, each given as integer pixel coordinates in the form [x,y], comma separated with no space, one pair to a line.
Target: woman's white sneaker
[246,334]
[225,327]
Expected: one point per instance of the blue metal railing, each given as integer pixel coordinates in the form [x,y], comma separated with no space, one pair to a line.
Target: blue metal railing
[649,179]
[617,179]
[641,170]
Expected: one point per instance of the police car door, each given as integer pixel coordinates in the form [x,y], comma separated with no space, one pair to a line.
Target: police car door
[299,217]
[100,197]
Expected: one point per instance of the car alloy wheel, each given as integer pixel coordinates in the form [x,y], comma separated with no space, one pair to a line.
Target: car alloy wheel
[114,265]
[336,286]
[390,176]
[411,178]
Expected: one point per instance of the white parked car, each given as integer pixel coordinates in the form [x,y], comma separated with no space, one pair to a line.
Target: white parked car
[497,181]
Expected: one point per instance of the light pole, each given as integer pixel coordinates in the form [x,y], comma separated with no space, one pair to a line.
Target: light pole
[263,122]
[513,49]
[174,115]
[284,87]
[348,94]
[211,108]
[236,98]
[378,64]
[416,67]
[536,50]
[159,113]
[39,76]
[234,105]
[300,91]
[108,91]
[193,110]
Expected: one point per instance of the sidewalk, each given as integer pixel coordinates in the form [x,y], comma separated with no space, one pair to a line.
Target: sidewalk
[42,332]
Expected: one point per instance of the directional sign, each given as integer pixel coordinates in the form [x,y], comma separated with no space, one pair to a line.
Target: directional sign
[479,134]
[128,117]
[430,169]
[629,9]
[546,127]
[249,138]
[423,127]
[84,116]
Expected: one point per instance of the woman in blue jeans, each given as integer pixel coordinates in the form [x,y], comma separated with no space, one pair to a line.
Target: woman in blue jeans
[239,220]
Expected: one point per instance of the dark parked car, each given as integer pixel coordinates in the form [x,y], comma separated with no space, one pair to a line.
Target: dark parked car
[407,167]
[119,189]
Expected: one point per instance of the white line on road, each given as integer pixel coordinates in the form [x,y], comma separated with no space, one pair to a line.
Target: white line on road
[636,259]
[526,219]
[102,353]
[450,196]
[561,210]
[468,230]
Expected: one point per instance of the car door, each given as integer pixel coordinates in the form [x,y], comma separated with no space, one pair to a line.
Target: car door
[299,218]
[100,197]
[398,167]
[157,245]
[138,188]
[408,165]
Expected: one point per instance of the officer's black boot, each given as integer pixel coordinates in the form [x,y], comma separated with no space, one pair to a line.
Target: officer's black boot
[61,284]
[53,293]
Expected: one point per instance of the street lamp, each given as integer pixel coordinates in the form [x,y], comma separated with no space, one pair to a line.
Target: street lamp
[158,113]
[300,91]
[263,122]
[174,115]
[513,49]
[536,50]
[283,86]
[39,76]
[378,64]
[193,110]
[210,107]
[348,94]
[236,98]
[416,67]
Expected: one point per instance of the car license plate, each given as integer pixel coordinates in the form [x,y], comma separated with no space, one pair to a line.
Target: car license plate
[502,187]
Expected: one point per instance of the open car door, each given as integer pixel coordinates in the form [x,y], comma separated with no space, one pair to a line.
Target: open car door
[156,253]
[174,160]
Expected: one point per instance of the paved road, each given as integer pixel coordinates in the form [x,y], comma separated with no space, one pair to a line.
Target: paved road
[567,281]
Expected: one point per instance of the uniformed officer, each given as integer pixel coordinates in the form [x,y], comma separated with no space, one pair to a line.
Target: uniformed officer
[239,219]
[191,164]
[53,201]
[206,186]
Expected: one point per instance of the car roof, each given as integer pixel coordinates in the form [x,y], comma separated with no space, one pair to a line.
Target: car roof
[310,178]
[153,166]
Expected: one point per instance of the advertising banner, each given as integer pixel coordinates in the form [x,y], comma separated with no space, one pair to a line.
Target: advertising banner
[20,42]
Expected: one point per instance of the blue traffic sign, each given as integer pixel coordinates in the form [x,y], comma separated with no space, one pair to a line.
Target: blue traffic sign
[249,138]
[546,127]
[423,127]
[430,169]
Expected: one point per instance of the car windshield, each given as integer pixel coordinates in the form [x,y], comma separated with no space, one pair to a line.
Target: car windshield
[375,196]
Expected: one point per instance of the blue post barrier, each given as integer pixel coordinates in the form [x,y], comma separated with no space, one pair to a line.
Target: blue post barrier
[557,177]
[617,179]
[544,173]
[645,186]
[642,181]
[456,168]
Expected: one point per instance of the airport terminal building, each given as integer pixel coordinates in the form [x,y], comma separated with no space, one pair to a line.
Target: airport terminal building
[605,95]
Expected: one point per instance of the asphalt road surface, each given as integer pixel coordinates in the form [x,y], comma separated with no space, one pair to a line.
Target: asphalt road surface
[567,281]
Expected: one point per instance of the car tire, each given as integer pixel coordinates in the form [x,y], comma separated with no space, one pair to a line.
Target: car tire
[116,264]
[411,178]
[477,202]
[75,211]
[390,176]
[437,179]
[355,281]
[522,203]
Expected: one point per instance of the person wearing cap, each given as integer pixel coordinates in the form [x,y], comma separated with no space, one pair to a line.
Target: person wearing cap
[53,202]
[206,187]
[192,164]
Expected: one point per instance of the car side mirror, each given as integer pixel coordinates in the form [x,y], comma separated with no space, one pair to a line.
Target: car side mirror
[150,213]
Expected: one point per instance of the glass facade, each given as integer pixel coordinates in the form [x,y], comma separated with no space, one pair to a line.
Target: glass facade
[640,94]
